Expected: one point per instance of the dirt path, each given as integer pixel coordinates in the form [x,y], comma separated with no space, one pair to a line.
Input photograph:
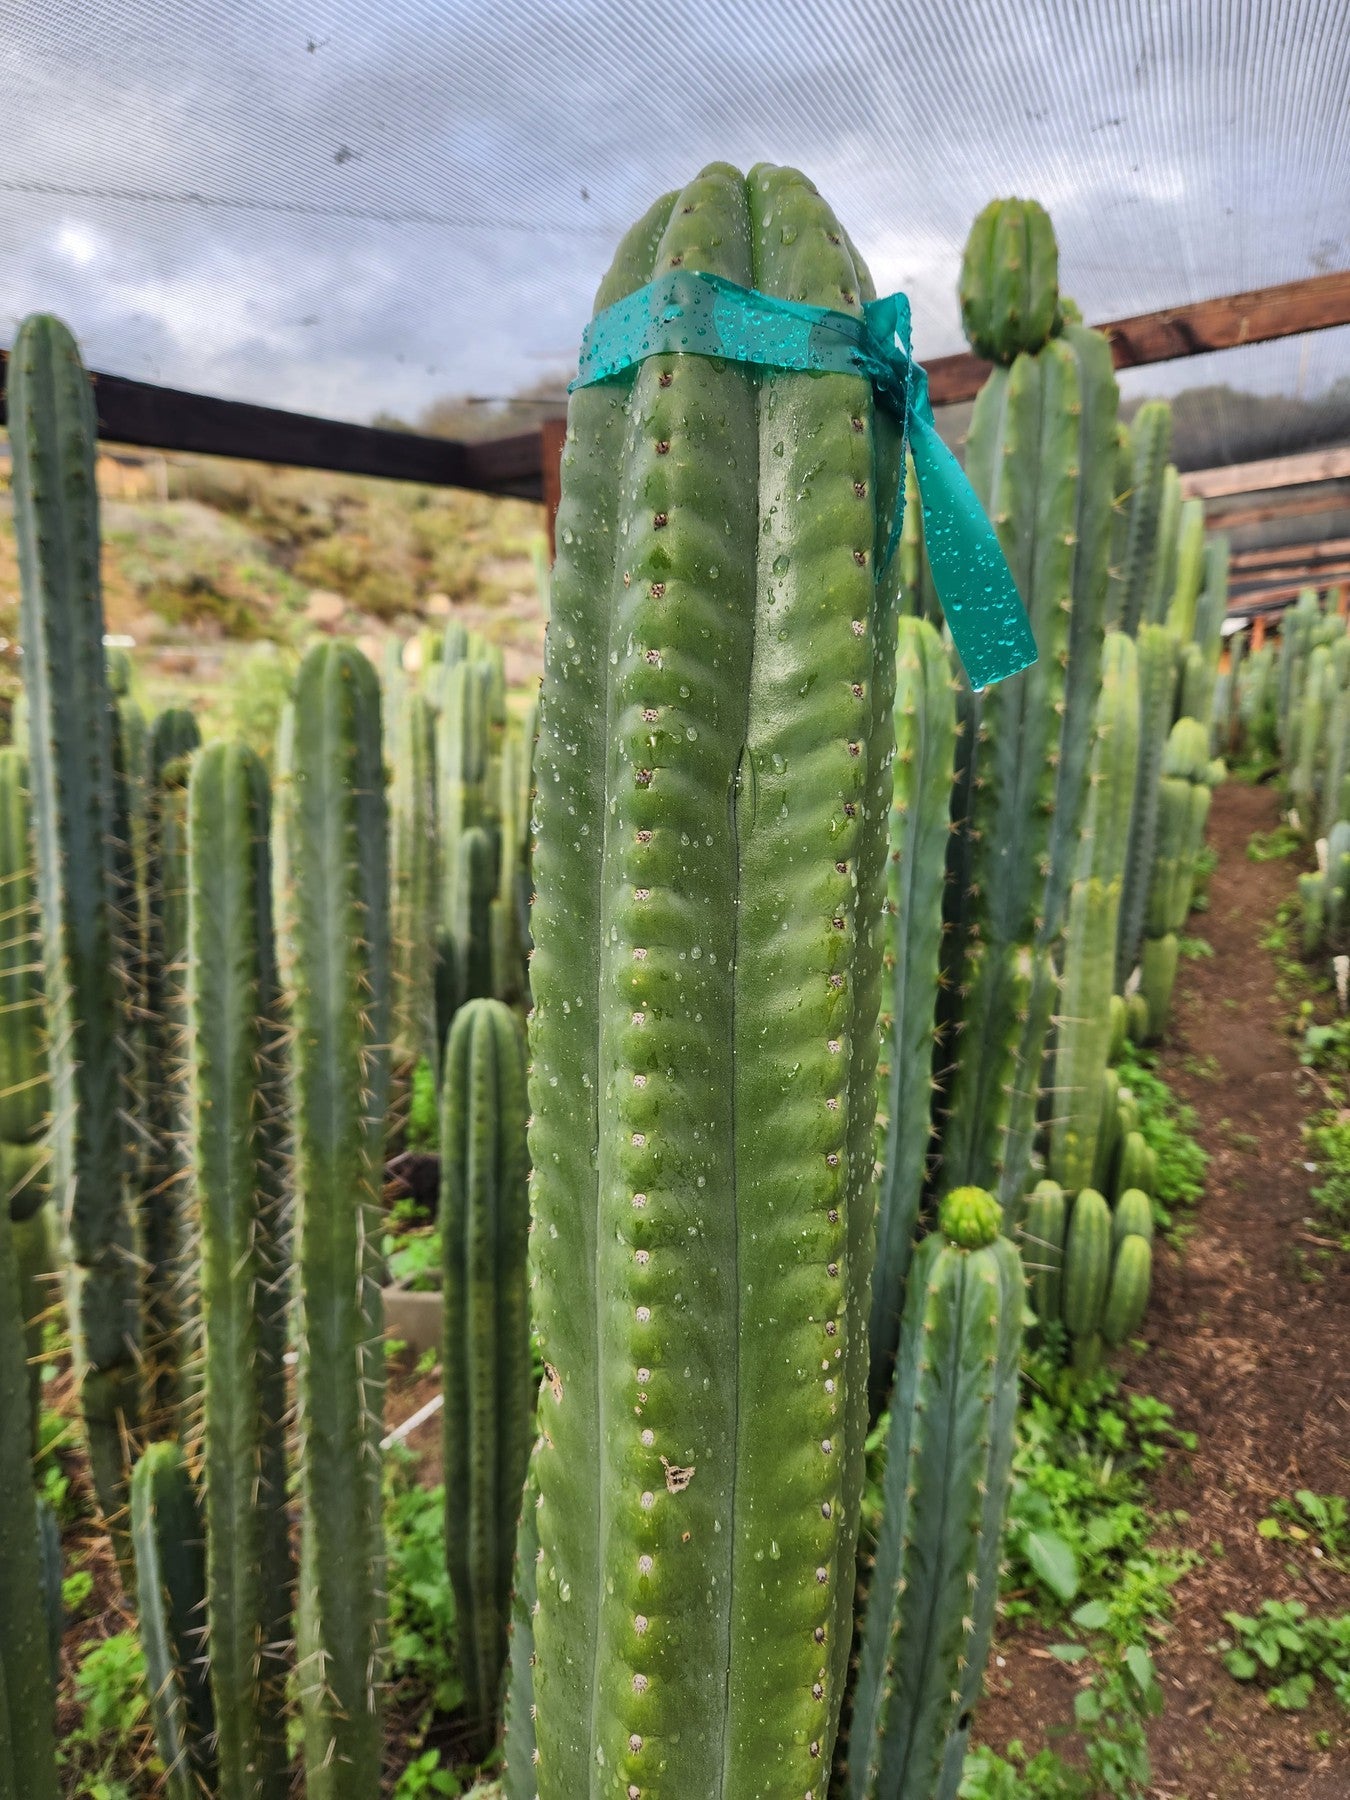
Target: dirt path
[1248,1345]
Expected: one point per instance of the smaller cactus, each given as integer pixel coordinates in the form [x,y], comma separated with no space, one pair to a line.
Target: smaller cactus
[1087,1273]
[1137,1165]
[168,1537]
[1043,1254]
[1127,1295]
[484,1218]
[1132,1217]
[925,1635]
[1157,978]
[1009,280]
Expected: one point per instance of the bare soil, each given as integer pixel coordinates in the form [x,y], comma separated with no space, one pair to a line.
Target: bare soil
[1247,1334]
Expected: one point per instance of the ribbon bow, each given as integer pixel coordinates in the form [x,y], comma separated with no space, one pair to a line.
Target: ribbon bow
[703,315]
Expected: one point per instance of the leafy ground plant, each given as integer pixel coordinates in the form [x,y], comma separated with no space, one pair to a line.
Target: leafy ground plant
[1289,1647]
[1319,1521]
[1081,1559]
[109,1753]
[1169,1126]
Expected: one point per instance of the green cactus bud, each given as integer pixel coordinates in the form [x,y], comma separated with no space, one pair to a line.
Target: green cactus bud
[27,1693]
[1132,1217]
[484,1217]
[1120,1027]
[338,922]
[1157,978]
[238,1152]
[167,1532]
[52,429]
[970,1218]
[716,1024]
[1087,1263]
[1043,1249]
[925,729]
[1134,1167]
[1312,891]
[1009,280]
[1108,1129]
[1127,1297]
[925,1635]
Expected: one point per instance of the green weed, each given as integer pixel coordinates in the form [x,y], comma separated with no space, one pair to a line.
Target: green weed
[1285,1642]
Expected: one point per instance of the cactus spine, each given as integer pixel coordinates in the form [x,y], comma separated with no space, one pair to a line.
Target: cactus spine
[337,918]
[1085,1032]
[52,431]
[925,1636]
[484,1219]
[723,1048]
[925,728]
[27,1697]
[167,1303]
[237,1102]
[166,1530]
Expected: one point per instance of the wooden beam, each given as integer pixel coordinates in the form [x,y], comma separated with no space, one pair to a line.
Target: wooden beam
[1258,477]
[1316,304]
[1334,499]
[1247,593]
[137,412]
[1329,550]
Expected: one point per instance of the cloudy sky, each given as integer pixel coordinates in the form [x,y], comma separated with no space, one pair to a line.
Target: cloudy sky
[345,206]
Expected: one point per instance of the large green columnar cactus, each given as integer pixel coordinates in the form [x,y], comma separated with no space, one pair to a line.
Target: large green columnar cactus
[337,916]
[489,1403]
[52,436]
[1083,1042]
[413,893]
[168,1296]
[925,734]
[237,1149]
[1041,459]
[24,1093]
[930,1609]
[1134,573]
[27,1699]
[713,784]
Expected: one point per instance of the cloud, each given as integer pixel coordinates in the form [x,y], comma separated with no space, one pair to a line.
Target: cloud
[345,208]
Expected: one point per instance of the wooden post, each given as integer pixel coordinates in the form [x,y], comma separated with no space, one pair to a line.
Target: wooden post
[1258,631]
[552,434]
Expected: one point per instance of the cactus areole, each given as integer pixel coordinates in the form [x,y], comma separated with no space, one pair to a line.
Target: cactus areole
[713,783]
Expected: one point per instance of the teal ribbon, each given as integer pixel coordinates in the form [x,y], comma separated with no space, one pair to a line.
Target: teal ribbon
[702,315]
